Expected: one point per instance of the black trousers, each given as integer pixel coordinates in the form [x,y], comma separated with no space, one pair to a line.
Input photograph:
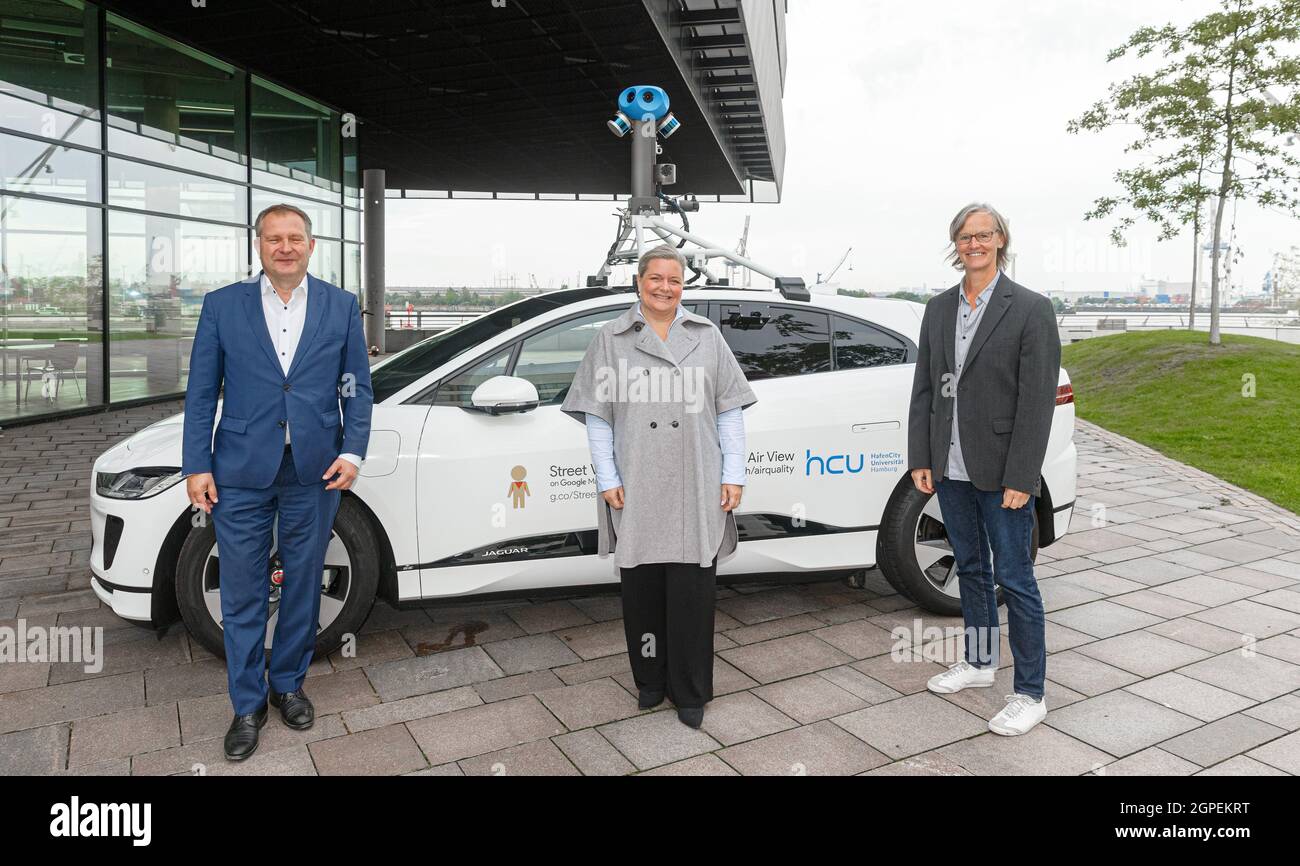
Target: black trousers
[668,620]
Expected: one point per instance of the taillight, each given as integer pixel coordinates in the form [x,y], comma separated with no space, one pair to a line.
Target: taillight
[1064,394]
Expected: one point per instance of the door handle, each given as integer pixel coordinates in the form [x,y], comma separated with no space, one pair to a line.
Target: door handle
[876,426]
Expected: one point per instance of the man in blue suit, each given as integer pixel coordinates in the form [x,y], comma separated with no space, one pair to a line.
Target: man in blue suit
[288,349]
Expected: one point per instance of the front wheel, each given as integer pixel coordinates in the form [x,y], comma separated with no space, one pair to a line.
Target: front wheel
[348,584]
[915,555]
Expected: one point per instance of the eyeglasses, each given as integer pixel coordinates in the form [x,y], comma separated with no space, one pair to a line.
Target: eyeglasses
[982,237]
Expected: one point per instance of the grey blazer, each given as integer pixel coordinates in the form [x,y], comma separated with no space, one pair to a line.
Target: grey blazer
[1007,389]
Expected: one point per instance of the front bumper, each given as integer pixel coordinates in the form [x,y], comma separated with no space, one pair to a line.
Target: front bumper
[126,538]
[135,605]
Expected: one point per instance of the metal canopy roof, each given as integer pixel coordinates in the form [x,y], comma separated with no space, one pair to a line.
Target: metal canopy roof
[463,95]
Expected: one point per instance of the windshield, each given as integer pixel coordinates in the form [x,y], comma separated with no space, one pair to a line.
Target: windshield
[411,364]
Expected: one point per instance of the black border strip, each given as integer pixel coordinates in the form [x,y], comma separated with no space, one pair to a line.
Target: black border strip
[113,587]
[526,541]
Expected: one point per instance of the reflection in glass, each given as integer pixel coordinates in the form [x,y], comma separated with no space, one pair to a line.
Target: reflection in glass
[458,390]
[51,297]
[25,111]
[184,143]
[775,341]
[130,143]
[44,168]
[858,345]
[49,68]
[352,269]
[327,262]
[160,269]
[550,359]
[296,144]
[398,371]
[147,187]
[172,93]
[351,168]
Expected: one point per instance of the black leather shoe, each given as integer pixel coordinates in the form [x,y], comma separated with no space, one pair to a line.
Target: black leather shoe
[647,698]
[295,709]
[691,716]
[241,738]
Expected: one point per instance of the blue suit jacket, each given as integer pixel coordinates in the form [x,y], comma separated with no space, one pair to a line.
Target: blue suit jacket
[232,347]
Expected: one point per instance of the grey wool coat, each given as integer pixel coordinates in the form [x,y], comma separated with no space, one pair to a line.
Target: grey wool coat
[662,401]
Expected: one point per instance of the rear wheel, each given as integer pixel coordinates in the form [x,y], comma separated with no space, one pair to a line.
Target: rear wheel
[349,583]
[914,553]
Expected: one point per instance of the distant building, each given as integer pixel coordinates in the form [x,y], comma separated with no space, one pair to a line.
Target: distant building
[1282,282]
[1168,287]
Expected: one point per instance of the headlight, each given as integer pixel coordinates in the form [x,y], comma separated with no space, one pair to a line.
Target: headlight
[139,483]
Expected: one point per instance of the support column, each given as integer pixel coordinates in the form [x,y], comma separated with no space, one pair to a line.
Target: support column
[373,256]
[644,144]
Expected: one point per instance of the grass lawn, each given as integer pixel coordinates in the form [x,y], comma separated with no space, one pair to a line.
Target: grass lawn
[1174,392]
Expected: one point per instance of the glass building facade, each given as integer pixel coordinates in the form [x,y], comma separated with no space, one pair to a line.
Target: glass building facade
[131,168]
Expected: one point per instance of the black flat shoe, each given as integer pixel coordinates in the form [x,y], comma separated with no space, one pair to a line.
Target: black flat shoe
[647,699]
[295,709]
[241,738]
[691,716]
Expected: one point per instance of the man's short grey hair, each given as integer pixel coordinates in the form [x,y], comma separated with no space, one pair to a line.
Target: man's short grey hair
[663,251]
[954,257]
[280,208]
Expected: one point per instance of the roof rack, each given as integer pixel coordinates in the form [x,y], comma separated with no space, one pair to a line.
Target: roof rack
[791,288]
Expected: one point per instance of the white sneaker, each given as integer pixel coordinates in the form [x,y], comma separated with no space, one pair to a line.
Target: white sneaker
[1019,715]
[961,676]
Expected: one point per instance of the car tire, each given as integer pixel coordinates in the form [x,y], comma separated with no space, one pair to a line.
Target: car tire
[198,583]
[913,553]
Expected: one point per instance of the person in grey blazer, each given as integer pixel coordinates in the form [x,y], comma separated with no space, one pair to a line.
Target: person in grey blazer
[983,399]
[661,394]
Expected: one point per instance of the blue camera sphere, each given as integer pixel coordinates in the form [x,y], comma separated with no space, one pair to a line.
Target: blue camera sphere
[643,99]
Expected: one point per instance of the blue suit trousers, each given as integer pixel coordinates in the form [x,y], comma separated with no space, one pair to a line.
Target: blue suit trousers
[243,518]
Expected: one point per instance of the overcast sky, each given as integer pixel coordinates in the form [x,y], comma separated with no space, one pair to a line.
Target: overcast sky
[895,116]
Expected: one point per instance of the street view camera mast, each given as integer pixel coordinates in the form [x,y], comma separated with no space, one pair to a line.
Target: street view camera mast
[643,112]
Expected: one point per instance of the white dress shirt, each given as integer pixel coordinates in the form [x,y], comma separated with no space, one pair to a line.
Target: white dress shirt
[285,323]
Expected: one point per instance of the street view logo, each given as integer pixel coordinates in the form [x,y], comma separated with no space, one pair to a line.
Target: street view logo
[518,487]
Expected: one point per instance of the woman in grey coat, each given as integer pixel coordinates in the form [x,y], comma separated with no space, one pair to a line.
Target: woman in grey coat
[661,395]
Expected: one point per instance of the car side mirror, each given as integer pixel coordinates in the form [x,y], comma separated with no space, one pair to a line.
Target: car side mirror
[502,395]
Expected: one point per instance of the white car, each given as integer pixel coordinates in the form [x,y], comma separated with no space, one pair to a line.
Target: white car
[475,482]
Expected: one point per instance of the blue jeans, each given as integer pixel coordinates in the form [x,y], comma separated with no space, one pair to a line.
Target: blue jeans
[974,520]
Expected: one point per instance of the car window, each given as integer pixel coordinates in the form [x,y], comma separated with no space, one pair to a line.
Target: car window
[457,390]
[549,358]
[859,345]
[414,362]
[770,341]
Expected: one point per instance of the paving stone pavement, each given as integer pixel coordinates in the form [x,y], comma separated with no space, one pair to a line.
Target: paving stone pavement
[1173,631]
